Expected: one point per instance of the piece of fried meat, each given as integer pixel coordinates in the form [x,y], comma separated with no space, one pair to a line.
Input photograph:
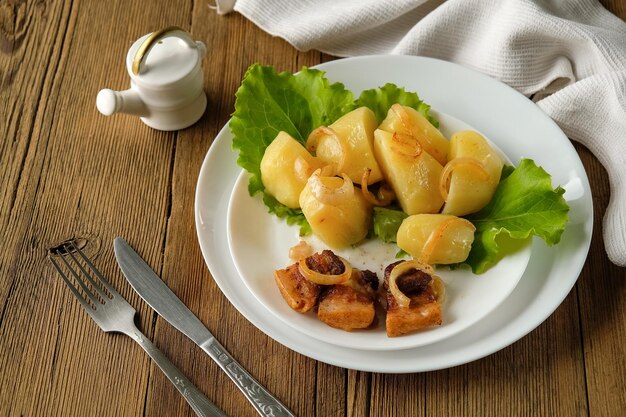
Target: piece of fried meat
[348,306]
[301,294]
[351,305]
[424,310]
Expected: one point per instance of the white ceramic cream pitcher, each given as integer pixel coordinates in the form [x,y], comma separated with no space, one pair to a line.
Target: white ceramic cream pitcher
[166,87]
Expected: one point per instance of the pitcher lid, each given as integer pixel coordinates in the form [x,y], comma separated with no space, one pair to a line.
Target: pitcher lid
[164,57]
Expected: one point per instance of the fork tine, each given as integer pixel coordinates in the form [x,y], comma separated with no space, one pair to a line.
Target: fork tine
[78,279]
[97,272]
[71,286]
[70,248]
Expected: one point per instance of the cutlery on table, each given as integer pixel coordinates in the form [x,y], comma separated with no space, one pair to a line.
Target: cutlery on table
[154,291]
[113,314]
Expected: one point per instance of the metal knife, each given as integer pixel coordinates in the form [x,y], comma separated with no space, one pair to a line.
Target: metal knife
[154,291]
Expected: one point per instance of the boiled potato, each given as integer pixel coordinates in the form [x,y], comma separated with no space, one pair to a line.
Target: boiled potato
[285,167]
[476,175]
[408,121]
[413,175]
[355,136]
[436,238]
[338,215]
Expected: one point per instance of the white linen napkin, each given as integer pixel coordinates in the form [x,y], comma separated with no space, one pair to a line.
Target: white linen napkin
[570,55]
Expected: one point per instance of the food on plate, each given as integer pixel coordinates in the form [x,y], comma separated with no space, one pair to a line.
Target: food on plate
[436,238]
[325,268]
[299,251]
[383,196]
[338,214]
[348,145]
[414,296]
[416,161]
[285,168]
[351,305]
[412,172]
[470,178]
[405,120]
[344,296]
[299,293]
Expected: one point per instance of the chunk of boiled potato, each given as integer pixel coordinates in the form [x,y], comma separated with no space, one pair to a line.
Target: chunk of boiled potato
[285,168]
[469,190]
[436,238]
[341,224]
[355,130]
[408,121]
[414,179]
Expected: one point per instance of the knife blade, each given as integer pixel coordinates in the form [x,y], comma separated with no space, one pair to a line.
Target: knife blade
[156,293]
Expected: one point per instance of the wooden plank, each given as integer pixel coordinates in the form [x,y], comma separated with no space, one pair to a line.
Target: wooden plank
[79,174]
[358,391]
[29,55]
[330,390]
[601,294]
[398,395]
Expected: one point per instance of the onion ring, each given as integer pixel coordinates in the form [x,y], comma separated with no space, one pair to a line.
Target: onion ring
[406,145]
[402,300]
[330,195]
[439,289]
[414,132]
[437,234]
[323,131]
[444,180]
[402,115]
[325,279]
[385,194]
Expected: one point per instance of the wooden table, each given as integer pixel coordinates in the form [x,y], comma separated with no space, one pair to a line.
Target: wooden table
[66,170]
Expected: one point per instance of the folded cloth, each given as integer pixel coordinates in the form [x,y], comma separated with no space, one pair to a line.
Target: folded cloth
[569,55]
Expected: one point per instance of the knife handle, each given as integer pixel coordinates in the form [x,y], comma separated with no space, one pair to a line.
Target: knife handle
[263,402]
[202,406]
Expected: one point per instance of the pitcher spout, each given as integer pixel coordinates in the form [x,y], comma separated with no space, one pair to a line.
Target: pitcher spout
[110,102]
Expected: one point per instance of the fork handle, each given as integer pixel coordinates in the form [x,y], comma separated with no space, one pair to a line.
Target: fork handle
[196,399]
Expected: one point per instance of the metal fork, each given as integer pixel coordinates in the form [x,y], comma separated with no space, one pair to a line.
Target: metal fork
[113,314]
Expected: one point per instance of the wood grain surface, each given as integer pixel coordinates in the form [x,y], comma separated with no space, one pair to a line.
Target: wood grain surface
[66,170]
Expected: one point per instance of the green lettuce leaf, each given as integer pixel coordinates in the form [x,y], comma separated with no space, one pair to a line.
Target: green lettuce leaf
[291,216]
[524,204]
[386,222]
[379,100]
[268,102]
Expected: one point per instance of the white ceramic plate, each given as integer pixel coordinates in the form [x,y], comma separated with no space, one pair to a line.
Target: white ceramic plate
[259,244]
[506,117]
